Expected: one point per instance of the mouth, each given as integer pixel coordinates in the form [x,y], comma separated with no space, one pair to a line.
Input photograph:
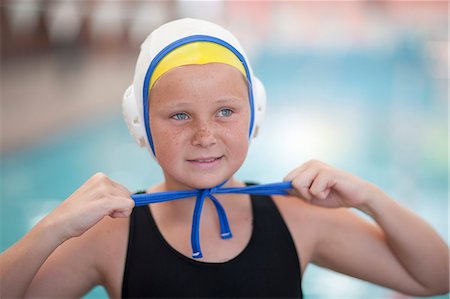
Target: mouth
[205,162]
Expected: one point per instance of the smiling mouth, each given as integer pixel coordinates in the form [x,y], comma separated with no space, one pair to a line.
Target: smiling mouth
[206,160]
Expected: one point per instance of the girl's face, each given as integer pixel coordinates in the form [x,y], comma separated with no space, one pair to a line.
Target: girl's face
[199,119]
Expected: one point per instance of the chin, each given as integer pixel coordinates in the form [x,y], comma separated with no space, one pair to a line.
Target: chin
[205,183]
[195,179]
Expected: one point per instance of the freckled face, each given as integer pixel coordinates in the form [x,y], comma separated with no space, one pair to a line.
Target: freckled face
[200,119]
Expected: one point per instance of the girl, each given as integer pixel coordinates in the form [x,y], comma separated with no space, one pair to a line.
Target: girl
[195,104]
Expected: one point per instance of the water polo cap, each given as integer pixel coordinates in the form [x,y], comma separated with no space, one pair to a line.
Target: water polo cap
[184,42]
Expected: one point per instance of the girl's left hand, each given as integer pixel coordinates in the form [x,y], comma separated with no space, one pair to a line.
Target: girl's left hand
[323,185]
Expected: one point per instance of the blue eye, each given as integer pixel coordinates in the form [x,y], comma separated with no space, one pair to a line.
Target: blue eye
[180,116]
[225,112]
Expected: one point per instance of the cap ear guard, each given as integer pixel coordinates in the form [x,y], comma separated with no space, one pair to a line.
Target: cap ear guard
[259,99]
[132,118]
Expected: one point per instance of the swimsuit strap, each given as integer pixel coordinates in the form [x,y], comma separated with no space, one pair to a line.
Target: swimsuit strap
[201,194]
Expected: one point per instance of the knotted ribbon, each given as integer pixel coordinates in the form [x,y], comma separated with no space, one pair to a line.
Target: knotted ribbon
[201,194]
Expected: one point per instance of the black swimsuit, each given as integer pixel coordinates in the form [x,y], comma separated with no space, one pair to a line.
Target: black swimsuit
[267,267]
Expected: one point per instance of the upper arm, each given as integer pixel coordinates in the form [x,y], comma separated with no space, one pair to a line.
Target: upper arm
[70,271]
[351,245]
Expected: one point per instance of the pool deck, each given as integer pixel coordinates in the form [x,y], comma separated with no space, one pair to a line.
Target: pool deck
[61,94]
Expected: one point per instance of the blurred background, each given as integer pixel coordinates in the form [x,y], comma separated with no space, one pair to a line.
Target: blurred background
[361,85]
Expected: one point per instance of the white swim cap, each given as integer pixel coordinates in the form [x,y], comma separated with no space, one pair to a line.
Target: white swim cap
[172,45]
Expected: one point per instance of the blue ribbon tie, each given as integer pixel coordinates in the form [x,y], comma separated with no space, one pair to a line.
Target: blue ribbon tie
[201,194]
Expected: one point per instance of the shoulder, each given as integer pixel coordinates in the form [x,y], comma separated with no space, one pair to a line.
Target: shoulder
[302,222]
[104,242]
[108,243]
[109,240]
[308,224]
[299,212]
[109,231]
[98,254]
[101,250]
[312,227]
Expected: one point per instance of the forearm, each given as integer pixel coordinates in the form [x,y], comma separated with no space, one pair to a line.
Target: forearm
[20,263]
[417,246]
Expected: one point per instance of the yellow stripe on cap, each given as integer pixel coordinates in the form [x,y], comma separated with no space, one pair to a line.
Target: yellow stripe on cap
[196,53]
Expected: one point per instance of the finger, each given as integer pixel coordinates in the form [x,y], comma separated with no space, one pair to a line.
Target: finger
[118,203]
[109,187]
[99,184]
[309,164]
[121,214]
[118,185]
[121,189]
[305,176]
[294,173]
[303,182]
[112,186]
[99,178]
[291,175]
[322,184]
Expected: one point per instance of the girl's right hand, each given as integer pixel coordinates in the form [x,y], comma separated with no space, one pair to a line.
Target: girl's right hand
[98,197]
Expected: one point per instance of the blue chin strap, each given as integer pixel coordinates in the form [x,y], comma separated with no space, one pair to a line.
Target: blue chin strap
[201,194]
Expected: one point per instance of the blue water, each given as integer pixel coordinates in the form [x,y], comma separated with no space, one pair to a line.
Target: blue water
[379,115]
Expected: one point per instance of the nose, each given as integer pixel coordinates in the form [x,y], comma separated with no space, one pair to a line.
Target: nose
[203,136]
